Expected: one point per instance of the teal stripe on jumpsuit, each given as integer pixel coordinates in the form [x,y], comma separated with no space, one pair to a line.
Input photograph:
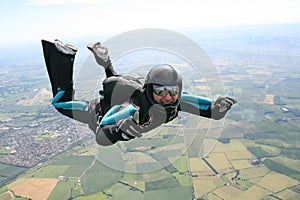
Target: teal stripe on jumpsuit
[69,105]
[198,102]
[115,114]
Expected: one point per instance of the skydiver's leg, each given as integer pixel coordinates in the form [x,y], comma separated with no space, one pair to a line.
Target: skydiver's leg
[59,59]
[77,110]
[60,69]
[102,58]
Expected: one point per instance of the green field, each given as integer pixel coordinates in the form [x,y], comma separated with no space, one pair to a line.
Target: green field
[8,172]
[164,183]
[99,177]
[123,192]
[50,171]
[167,194]
[4,151]
[259,152]
[291,163]
[183,179]
[62,190]
[181,164]
[282,169]
[194,149]
[77,165]
[98,196]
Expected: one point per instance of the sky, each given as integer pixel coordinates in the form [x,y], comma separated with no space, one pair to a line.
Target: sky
[31,20]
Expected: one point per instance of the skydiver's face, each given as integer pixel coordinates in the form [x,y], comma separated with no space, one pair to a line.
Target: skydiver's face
[165,95]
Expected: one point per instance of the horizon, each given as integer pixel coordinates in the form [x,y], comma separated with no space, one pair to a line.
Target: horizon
[201,32]
[208,37]
[37,19]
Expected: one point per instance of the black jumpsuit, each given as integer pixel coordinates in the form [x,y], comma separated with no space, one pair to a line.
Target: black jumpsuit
[60,70]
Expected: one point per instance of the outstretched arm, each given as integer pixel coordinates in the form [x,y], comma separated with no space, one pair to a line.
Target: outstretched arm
[206,107]
[196,105]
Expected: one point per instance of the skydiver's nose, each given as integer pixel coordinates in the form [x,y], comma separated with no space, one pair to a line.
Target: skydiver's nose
[168,97]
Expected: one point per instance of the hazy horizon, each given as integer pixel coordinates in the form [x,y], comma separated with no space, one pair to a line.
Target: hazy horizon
[31,20]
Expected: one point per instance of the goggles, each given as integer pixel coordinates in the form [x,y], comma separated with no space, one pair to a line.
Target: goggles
[162,91]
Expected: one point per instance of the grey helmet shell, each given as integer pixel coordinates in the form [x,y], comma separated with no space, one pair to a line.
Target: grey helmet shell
[165,75]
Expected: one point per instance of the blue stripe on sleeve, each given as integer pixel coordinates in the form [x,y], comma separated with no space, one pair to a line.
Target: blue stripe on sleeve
[198,102]
[114,114]
[70,105]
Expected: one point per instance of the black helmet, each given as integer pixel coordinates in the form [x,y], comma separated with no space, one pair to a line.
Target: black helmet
[164,75]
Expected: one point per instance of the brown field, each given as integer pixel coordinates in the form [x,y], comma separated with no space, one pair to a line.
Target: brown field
[203,123]
[241,164]
[202,174]
[219,161]
[198,165]
[288,194]
[254,192]
[178,146]
[7,196]
[269,99]
[237,155]
[209,145]
[276,182]
[35,188]
[202,87]
[255,172]
[41,96]
[227,192]
[203,186]
[233,146]
[143,148]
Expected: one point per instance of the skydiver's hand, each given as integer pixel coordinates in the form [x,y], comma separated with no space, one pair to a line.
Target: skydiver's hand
[220,106]
[223,103]
[101,54]
[130,128]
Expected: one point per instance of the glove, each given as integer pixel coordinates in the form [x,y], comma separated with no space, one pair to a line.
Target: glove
[221,105]
[100,53]
[130,128]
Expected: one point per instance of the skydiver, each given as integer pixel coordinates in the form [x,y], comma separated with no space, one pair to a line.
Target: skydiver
[157,101]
